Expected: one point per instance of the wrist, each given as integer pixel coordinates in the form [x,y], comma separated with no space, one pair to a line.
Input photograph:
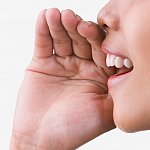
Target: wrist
[26,142]
[22,142]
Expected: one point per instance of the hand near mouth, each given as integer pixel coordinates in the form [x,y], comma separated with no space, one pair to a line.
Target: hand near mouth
[63,101]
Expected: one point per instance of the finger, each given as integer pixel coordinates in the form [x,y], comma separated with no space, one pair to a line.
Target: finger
[81,46]
[43,41]
[61,40]
[92,32]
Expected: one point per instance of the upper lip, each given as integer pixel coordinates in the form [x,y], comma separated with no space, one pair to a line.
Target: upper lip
[109,50]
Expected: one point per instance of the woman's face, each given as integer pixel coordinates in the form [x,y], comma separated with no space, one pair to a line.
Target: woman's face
[128,35]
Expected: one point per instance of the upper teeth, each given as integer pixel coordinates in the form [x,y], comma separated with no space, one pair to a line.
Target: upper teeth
[118,62]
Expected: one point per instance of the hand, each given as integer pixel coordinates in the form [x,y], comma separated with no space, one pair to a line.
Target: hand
[63,101]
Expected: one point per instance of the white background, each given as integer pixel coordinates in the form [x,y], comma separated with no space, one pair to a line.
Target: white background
[17,22]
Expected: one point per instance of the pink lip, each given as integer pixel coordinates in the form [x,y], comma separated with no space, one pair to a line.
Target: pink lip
[116,79]
[106,49]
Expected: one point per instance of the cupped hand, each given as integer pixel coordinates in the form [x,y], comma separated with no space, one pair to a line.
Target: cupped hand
[63,101]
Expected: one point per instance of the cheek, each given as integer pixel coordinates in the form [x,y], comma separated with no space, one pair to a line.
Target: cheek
[132,98]
[137,33]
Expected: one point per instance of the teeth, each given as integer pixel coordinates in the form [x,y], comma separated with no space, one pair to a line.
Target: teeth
[118,62]
[107,60]
[128,63]
[112,60]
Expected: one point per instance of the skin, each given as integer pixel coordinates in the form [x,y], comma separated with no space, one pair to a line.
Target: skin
[127,24]
[64,93]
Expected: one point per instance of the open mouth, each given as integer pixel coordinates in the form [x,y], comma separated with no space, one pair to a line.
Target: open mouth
[122,65]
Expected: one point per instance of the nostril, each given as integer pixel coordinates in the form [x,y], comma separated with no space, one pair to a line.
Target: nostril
[105,28]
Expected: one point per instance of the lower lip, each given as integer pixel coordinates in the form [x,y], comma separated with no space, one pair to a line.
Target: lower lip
[117,78]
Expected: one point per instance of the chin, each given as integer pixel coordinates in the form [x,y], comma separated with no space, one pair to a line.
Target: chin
[124,125]
[130,121]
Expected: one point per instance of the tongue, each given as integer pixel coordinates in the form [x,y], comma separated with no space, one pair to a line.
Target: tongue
[123,70]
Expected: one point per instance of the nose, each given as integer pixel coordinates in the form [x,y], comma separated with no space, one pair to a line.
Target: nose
[108,17]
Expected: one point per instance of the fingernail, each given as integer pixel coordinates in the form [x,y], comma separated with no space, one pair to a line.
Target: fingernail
[62,11]
[78,17]
[89,23]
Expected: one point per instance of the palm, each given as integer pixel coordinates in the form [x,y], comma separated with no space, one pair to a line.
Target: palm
[74,103]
